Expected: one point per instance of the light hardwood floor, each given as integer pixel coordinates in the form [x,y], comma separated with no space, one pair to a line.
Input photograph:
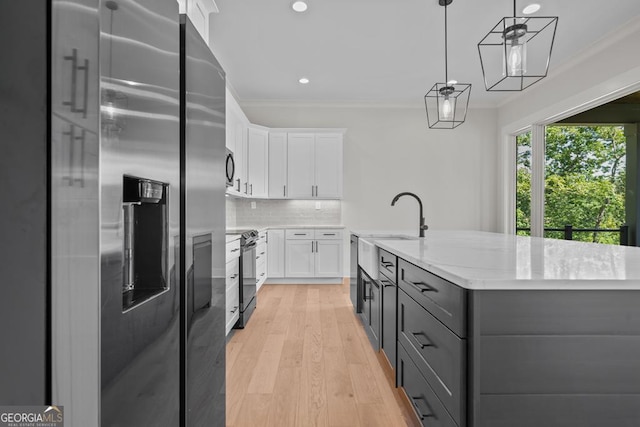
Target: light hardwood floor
[304,360]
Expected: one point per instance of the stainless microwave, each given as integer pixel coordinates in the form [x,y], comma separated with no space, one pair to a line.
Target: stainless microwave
[230,167]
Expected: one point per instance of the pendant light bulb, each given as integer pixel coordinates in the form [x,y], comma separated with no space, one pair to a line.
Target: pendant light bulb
[447,108]
[517,59]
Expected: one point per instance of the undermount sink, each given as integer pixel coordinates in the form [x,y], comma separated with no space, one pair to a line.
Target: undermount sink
[368,252]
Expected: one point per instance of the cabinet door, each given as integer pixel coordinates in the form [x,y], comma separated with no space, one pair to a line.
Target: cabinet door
[275,248]
[376,307]
[230,120]
[299,258]
[389,311]
[328,258]
[240,156]
[236,128]
[257,162]
[328,166]
[199,11]
[300,166]
[277,165]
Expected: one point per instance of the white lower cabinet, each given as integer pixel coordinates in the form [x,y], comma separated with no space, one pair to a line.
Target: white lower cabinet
[261,260]
[275,249]
[313,253]
[300,259]
[328,258]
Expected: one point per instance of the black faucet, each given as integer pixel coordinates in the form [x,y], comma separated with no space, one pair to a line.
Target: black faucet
[422,226]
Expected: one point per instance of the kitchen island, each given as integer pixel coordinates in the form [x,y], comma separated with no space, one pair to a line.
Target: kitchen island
[497,330]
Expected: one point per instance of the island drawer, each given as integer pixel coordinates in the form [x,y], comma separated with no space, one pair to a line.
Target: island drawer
[444,300]
[387,264]
[438,353]
[426,404]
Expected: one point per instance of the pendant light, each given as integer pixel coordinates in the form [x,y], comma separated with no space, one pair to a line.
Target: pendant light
[515,54]
[447,103]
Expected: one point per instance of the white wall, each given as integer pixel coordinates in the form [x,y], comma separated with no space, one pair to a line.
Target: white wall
[607,70]
[390,149]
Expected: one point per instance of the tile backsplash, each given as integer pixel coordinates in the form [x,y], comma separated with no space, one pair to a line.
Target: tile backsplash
[271,213]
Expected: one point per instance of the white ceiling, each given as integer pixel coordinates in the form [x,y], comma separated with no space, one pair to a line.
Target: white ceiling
[389,51]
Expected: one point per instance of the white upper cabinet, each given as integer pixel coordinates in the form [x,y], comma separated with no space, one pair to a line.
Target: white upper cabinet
[277,165]
[314,166]
[300,166]
[198,12]
[257,161]
[237,126]
[282,163]
[328,166]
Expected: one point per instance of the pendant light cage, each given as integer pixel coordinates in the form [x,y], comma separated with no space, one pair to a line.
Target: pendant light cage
[458,98]
[447,103]
[516,53]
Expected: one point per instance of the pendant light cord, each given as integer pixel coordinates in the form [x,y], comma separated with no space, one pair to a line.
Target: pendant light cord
[514,8]
[446,67]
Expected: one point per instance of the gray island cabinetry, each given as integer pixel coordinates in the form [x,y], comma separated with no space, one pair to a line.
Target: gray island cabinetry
[496,330]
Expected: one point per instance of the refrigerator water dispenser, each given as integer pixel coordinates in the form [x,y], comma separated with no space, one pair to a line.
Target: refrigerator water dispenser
[144,203]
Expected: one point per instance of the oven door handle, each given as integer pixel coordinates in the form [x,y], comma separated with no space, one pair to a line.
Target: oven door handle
[248,246]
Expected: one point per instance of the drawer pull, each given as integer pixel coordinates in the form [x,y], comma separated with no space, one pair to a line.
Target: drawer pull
[235,250]
[261,253]
[422,346]
[233,277]
[234,309]
[429,412]
[386,264]
[328,234]
[424,287]
[386,283]
[262,274]
[299,234]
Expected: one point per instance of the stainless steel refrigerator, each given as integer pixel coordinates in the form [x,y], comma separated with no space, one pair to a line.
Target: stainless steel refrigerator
[163,219]
[204,183]
[140,224]
[113,214]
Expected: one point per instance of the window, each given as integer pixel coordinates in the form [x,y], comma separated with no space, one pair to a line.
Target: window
[585,169]
[581,182]
[523,184]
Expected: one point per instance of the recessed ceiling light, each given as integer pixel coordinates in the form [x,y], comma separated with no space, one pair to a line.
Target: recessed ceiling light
[299,6]
[532,8]
[303,80]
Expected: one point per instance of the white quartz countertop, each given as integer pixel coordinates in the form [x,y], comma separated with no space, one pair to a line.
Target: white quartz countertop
[480,260]
[232,237]
[282,227]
